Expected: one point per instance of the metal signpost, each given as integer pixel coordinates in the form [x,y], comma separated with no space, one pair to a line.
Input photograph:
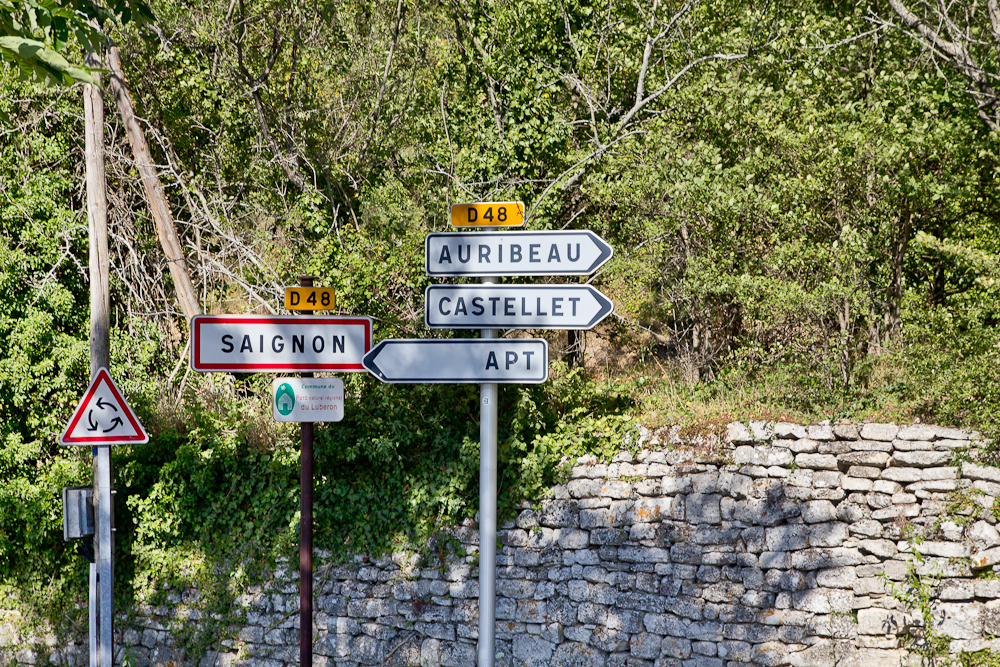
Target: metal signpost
[514,306]
[570,253]
[103,418]
[278,344]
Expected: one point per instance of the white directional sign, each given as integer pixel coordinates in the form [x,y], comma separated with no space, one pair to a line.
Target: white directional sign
[570,253]
[103,417]
[264,344]
[308,399]
[514,306]
[463,360]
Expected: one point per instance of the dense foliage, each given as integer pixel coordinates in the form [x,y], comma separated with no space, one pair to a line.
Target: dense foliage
[804,212]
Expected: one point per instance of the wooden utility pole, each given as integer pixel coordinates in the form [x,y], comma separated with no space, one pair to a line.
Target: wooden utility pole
[102,569]
[158,206]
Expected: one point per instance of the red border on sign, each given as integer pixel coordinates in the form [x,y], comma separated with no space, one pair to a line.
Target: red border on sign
[105,377]
[280,319]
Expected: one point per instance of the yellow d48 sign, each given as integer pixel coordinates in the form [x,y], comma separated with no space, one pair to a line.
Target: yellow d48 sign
[309,298]
[488,214]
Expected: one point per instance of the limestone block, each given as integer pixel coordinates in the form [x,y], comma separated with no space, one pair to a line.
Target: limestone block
[903,499]
[827,494]
[787,537]
[819,558]
[846,431]
[850,512]
[921,459]
[826,479]
[869,586]
[786,431]
[912,445]
[947,472]
[647,510]
[702,508]
[820,432]
[872,446]
[886,486]
[865,472]
[885,432]
[823,600]
[820,654]
[817,511]
[584,488]
[870,459]
[675,484]
[985,559]
[902,475]
[612,488]
[945,445]
[574,539]
[830,534]
[532,649]
[836,447]
[558,514]
[991,617]
[944,433]
[959,620]
[738,433]
[645,645]
[816,461]
[867,528]
[875,621]
[983,535]
[896,511]
[762,455]
[957,589]
[878,501]
[676,647]
[770,654]
[985,473]
[837,577]
[803,446]
[937,485]
[705,483]
[857,484]
[917,432]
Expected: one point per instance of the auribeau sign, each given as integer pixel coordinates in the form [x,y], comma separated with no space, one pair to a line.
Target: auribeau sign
[568,253]
[264,344]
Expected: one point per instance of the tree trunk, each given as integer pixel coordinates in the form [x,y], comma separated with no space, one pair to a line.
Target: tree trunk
[165,229]
[97,222]
[900,243]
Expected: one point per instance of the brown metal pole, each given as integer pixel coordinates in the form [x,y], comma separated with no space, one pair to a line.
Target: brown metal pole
[306,531]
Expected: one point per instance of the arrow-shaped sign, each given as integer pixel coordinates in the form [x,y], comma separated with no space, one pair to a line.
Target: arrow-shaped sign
[569,253]
[514,306]
[460,360]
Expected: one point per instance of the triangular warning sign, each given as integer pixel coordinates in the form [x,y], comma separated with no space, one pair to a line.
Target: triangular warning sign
[103,417]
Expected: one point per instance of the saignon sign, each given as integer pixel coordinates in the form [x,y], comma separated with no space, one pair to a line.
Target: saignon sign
[248,343]
[569,253]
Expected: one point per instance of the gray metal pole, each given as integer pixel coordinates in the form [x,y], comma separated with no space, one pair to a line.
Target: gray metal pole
[95,655]
[105,558]
[487,513]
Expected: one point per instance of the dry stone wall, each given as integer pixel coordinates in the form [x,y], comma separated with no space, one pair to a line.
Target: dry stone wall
[783,545]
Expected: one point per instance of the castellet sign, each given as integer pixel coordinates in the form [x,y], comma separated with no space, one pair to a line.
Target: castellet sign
[515,306]
[572,253]
[263,344]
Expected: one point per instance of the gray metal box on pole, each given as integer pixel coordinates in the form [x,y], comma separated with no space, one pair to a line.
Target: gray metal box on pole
[78,512]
